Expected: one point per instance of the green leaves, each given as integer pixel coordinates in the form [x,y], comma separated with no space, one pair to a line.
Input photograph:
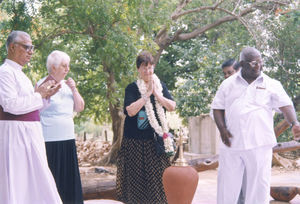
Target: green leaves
[285,45]
[104,37]
[192,69]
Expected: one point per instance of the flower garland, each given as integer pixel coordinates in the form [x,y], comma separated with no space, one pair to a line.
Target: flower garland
[163,130]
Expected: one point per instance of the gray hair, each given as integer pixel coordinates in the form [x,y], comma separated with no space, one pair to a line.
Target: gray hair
[55,59]
[249,52]
[14,36]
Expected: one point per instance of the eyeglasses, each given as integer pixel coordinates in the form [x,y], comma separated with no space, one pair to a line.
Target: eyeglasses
[147,68]
[255,63]
[26,47]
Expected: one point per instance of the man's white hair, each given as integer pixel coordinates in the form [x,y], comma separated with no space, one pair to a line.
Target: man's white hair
[55,59]
[249,52]
[15,36]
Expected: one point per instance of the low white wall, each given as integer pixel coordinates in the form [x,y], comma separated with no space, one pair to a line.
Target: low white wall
[204,136]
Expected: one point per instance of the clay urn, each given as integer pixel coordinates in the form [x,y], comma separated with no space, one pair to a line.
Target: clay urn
[180,184]
[284,193]
[180,181]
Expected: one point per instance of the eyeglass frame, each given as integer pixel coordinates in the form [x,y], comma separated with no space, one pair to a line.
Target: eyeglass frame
[256,63]
[26,47]
[147,69]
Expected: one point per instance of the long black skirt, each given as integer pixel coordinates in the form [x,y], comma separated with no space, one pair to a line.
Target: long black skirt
[63,163]
[139,173]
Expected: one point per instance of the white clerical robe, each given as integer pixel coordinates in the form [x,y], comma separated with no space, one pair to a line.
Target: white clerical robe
[25,177]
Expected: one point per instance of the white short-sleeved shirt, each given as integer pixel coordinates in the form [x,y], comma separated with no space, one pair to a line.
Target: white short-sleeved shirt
[248,108]
[57,118]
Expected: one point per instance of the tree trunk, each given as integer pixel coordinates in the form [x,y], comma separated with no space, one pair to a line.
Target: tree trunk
[286,146]
[117,126]
[281,127]
[117,117]
[98,188]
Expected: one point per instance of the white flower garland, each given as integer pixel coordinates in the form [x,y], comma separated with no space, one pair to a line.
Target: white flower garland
[163,130]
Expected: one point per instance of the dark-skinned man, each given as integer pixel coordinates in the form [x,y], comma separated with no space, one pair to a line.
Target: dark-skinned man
[246,130]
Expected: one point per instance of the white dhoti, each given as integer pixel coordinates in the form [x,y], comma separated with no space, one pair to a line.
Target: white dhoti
[257,165]
[25,177]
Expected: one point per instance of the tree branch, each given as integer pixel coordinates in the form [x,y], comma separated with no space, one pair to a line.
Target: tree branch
[177,14]
[160,34]
[163,39]
[232,17]
[178,9]
[198,31]
[243,22]
[165,43]
[236,6]
[58,33]
[282,3]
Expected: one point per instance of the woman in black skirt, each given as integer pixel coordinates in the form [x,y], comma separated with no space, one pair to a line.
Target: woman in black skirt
[140,164]
[58,129]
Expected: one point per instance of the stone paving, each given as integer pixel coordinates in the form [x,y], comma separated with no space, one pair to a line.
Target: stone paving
[207,186]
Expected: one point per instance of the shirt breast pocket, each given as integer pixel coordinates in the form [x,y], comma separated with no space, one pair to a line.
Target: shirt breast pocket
[262,97]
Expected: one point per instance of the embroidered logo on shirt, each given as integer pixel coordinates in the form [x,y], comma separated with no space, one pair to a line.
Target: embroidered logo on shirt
[259,87]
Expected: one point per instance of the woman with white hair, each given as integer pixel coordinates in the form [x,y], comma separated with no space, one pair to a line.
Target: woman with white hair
[58,128]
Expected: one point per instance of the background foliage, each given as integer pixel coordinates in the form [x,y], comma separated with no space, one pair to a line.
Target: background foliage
[104,37]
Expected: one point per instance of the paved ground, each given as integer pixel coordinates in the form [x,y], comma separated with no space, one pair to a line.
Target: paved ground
[207,186]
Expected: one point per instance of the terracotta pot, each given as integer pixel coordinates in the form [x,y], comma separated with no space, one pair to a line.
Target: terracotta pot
[180,183]
[284,193]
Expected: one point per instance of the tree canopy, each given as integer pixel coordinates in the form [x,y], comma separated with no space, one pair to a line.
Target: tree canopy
[189,39]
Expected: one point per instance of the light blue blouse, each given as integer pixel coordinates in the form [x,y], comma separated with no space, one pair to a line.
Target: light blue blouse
[57,118]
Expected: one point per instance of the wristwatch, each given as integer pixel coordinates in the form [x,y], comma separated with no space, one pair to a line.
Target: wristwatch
[294,123]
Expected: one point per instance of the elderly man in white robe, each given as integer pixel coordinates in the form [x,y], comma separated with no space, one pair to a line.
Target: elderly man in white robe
[246,129]
[24,173]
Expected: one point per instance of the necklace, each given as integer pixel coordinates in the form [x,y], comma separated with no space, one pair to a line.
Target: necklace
[163,129]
